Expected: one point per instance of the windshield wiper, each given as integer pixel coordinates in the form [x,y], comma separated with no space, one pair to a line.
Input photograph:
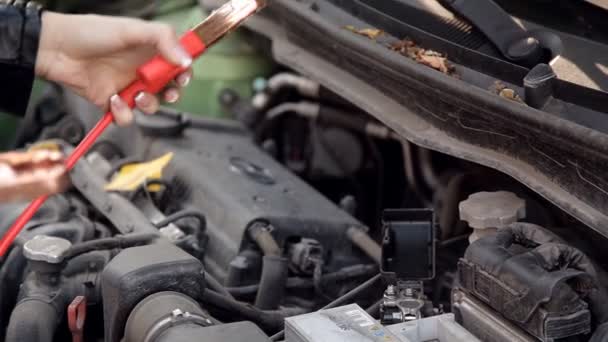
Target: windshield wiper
[515,43]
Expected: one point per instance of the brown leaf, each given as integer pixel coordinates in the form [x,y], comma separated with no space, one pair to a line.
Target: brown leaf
[501,89]
[430,58]
[510,94]
[435,62]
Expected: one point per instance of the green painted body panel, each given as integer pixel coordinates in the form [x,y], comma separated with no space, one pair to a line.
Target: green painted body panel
[232,63]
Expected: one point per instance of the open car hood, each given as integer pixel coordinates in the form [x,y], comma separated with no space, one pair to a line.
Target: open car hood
[559,150]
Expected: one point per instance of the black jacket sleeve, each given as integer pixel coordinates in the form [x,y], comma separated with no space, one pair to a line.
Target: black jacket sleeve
[19,36]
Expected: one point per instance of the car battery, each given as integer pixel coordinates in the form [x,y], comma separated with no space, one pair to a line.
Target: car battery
[350,323]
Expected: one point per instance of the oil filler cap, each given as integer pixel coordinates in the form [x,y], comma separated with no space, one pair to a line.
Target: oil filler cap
[47,249]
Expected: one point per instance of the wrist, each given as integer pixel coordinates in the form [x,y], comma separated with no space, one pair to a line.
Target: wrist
[49,43]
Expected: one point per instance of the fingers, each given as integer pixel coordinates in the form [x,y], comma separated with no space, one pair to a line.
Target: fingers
[183,79]
[171,95]
[26,175]
[147,103]
[161,36]
[150,104]
[169,47]
[123,116]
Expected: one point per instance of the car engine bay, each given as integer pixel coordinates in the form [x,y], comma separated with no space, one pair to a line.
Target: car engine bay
[302,215]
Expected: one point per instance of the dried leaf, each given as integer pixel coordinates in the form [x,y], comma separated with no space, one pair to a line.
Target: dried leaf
[501,89]
[497,86]
[510,94]
[430,58]
[435,62]
[370,33]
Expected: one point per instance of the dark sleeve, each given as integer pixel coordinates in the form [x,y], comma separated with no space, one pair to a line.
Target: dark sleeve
[19,36]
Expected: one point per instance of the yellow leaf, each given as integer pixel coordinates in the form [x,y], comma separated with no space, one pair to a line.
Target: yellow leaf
[131,176]
[370,33]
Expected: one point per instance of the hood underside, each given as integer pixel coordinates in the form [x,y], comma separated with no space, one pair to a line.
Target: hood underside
[560,151]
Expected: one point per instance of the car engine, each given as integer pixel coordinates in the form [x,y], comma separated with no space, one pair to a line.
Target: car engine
[303,215]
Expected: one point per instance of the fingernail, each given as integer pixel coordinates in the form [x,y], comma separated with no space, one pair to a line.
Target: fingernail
[116,102]
[142,100]
[39,156]
[55,156]
[184,57]
[6,172]
[172,96]
[183,80]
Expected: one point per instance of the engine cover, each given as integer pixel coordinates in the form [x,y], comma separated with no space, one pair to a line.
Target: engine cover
[532,285]
[219,170]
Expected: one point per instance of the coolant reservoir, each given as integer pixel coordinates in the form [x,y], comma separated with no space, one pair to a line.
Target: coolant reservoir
[486,212]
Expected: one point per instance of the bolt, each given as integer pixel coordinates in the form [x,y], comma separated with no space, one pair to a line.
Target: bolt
[177,313]
[390,290]
[409,292]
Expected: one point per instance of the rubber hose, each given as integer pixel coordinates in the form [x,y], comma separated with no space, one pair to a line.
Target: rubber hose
[183,214]
[272,282]
[143,321]
[260,233]
[268,320]
[32,320]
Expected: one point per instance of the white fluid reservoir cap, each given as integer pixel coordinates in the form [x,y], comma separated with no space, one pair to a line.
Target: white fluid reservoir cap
[492,209]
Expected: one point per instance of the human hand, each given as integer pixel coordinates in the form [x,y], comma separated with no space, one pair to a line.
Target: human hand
[27,175]
[97,56]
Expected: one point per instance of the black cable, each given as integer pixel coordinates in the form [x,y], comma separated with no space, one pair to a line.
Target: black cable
[353,293]
[144,187]
[342,300]
[349,272]
[120,241]
[292,283]
[216,286]
[374,309]
[183,214]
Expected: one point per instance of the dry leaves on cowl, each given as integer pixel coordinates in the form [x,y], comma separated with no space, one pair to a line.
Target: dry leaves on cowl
[430,58]
[502,90]
[370,33]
